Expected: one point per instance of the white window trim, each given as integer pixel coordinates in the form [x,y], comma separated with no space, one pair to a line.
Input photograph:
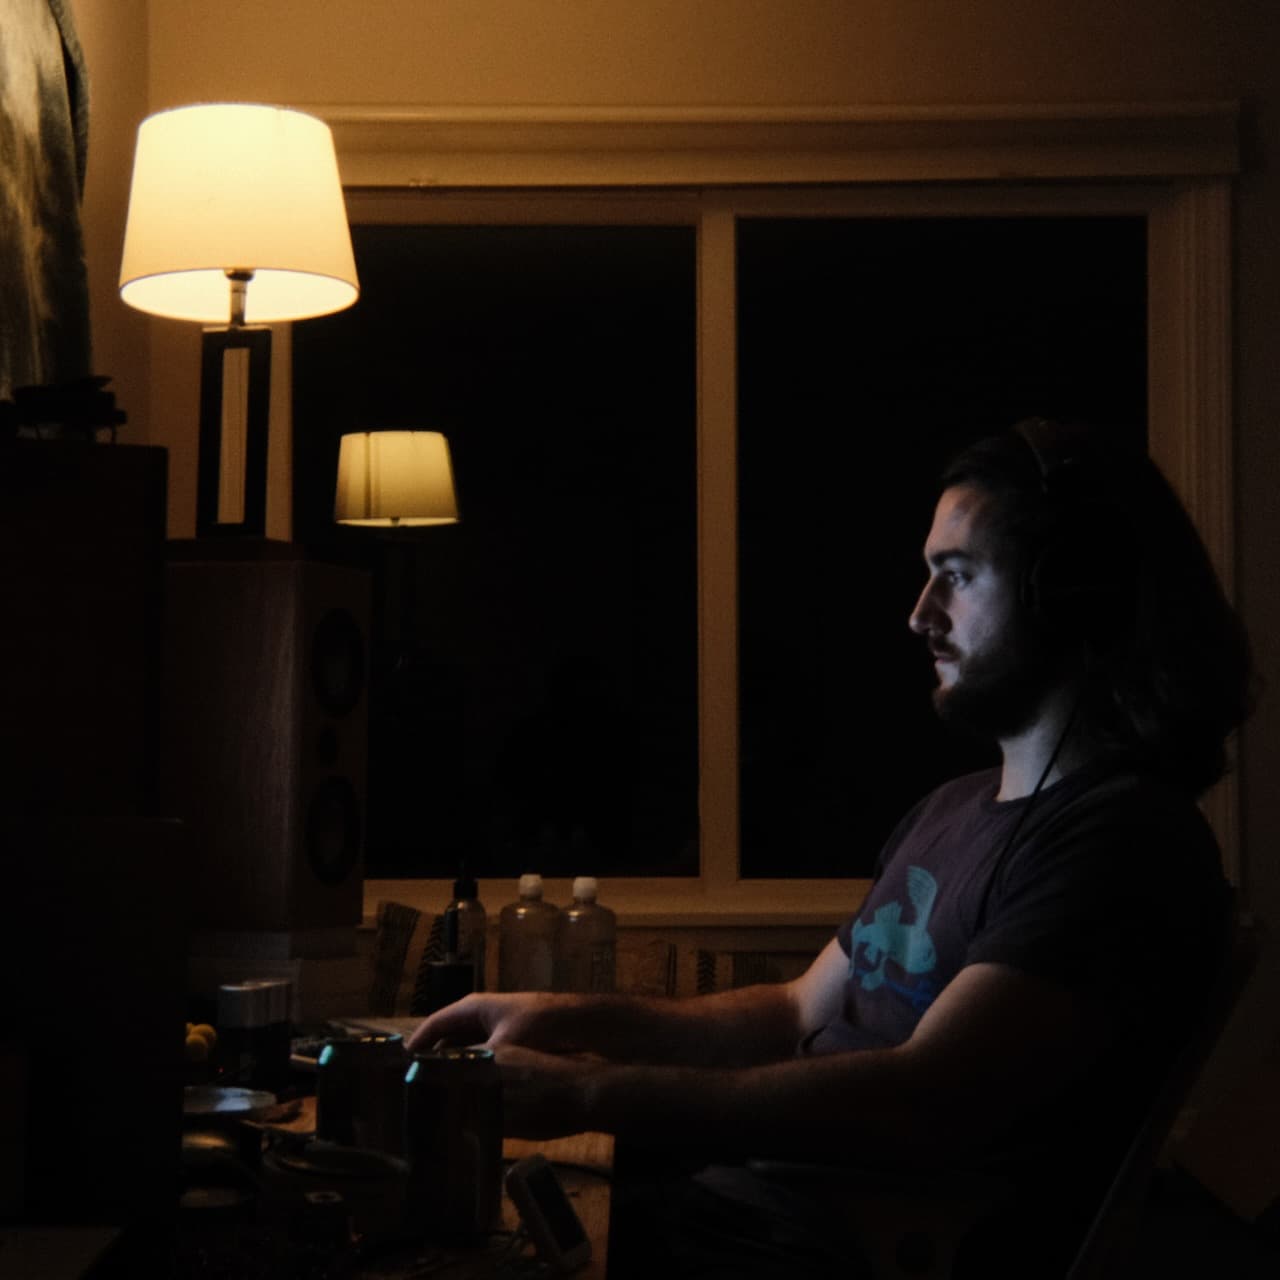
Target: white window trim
[1172,163]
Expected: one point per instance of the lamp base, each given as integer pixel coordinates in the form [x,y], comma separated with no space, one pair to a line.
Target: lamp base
[231,487]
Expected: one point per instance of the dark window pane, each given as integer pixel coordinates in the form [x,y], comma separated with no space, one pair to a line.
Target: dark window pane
[869,351]
[534,682]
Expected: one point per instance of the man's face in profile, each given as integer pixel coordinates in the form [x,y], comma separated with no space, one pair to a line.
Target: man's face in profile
[992,667]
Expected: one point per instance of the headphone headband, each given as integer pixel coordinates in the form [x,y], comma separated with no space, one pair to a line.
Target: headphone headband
[1075,572]
[1056,449]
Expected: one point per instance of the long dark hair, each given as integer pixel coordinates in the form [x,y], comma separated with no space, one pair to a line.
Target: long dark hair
[1109,561]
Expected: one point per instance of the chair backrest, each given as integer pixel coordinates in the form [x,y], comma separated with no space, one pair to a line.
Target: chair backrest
[403,941]
[1120,1208]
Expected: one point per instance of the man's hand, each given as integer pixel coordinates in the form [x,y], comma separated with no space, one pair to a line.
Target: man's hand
[544,1095]
[490,1019]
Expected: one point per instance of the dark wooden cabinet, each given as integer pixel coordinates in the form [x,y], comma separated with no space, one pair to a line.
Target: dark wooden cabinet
[82,589]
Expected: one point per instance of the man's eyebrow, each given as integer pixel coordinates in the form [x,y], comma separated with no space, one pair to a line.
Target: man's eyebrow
[936,559]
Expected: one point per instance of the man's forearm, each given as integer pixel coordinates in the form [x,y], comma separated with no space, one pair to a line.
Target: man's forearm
[868,1107]
[731,1028]
[996,1047]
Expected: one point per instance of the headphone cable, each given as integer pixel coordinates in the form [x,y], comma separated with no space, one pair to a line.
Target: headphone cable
[1005,850]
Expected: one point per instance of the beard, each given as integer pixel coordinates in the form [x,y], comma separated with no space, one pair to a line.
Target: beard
[998,692]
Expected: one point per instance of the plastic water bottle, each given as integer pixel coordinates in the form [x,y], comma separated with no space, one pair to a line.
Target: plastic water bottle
[528,940]
[588,946]
[473,924]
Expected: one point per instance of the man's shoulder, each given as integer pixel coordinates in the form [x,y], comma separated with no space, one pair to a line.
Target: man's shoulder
[969,790]
[979,785]
[1120,795]
[1143,838]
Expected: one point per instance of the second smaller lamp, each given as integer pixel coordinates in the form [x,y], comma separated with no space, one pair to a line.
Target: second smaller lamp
[391,479]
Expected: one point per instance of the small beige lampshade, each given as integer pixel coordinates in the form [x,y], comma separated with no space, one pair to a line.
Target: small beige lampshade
[240,187]
[395,478]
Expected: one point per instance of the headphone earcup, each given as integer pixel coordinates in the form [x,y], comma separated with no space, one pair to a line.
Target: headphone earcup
[1079,582]
[1029,594]
[1078,578]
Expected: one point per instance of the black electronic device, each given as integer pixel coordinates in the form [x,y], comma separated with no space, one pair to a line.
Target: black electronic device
[548,1216]
[1078,570]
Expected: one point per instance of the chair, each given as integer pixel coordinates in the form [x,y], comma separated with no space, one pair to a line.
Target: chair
[914,1228]
[1114,1227]
[407,940]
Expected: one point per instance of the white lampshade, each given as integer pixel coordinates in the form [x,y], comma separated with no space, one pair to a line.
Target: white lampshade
[235,186]
[395,478]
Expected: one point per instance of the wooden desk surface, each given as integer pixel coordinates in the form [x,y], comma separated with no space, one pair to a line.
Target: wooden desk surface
[584,1161]
[584,1165]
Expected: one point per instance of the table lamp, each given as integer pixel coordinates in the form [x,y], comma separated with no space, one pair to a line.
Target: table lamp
[236,219]
[394,479]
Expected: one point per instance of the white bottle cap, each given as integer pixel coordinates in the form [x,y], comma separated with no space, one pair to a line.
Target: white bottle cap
[585,888]
[531,886]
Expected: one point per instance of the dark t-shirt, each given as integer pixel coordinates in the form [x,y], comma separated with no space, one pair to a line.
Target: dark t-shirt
[1109,884]
[1112,886]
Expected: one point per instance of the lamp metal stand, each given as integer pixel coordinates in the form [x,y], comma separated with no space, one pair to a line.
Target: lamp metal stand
[217,342]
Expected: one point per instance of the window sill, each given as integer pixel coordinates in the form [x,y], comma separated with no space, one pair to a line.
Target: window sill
[657,903]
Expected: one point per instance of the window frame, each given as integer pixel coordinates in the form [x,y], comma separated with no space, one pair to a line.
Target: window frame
[1171,164]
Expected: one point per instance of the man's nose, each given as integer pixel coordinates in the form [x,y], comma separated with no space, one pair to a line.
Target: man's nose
[927,616]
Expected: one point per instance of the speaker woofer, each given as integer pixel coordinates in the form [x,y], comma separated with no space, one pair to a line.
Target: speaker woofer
[333,831]
[337,662]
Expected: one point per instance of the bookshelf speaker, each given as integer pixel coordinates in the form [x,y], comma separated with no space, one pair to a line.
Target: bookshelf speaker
[266,734]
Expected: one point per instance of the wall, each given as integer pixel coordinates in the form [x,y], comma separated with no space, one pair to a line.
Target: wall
[114,37]
[723,52]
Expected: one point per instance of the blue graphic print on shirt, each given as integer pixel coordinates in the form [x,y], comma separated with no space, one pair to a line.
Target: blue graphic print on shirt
[909,945]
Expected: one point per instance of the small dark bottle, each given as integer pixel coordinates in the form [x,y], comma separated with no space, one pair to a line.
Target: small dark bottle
[453,977]
[473,925]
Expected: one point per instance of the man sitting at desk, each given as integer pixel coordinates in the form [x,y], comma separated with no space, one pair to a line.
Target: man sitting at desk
[1034,936]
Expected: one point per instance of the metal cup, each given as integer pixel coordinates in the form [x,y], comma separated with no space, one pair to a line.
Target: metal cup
[453,1141]
[360,1093]
[254,1027]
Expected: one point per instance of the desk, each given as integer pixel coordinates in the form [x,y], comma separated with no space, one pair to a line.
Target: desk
[583,1164]
[584,1161]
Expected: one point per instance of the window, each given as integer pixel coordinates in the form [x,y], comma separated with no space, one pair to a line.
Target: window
[533,693]
[1163,174]
[869,351]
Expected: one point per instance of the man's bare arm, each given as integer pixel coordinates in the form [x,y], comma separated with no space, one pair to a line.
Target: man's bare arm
[728,1028]
[995,1045]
